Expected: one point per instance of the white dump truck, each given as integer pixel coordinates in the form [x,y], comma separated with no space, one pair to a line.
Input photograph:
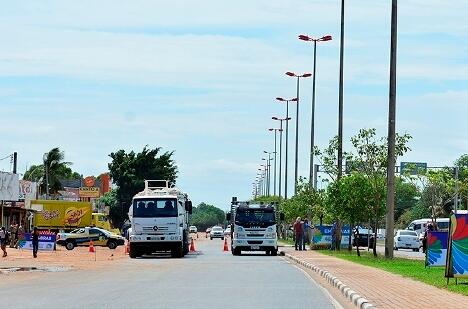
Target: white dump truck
[159,220]
[253,227]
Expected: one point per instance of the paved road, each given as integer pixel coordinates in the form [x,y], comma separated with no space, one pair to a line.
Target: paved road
[404,253]
[211,279]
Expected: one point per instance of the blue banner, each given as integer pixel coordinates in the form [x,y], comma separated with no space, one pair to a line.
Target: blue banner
[46,242]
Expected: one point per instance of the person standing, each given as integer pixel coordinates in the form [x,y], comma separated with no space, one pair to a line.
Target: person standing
[298,233]
[20,236]
[35,241]
[306,238]
[333,236]
[13,231]
[3,240]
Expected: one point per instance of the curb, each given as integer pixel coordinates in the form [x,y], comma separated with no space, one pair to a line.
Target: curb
[347,292]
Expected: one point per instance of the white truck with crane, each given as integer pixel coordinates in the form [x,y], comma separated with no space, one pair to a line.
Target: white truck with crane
[253,227]
[159,218]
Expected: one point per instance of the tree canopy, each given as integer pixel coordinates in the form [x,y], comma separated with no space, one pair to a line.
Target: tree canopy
[129,171]
[205,216]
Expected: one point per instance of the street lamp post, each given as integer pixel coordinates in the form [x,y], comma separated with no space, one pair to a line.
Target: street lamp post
[312,120]
[274,172]
[287,143]
[297,125]
[280,148]
[269,170]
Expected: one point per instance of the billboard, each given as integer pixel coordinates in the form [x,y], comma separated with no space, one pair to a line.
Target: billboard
[322,235]
[437,244]
[457,255]
[27,190]
[9,187]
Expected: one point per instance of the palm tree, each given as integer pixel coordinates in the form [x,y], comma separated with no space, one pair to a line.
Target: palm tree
[55,169]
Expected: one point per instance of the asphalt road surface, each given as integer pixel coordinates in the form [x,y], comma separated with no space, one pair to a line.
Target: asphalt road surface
[209,279]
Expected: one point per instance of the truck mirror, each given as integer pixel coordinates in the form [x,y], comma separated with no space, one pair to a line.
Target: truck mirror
[281,216]
[188,206]
[228,216]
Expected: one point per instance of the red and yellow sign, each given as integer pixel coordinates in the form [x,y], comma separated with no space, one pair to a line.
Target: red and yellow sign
[89,181]
[74,215]
[89,192]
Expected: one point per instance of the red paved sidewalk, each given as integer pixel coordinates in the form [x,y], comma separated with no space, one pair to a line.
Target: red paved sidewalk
[381,288]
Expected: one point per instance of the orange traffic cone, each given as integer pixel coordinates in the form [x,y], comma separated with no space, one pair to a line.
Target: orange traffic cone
[127,248]
[91,247]
[192,246]
[226,248]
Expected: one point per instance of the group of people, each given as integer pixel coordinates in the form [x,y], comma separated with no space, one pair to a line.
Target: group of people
[302,230]
[15,235]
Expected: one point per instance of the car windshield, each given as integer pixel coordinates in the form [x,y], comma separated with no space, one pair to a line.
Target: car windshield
[150,208]
[408,233]
[217,228]
[255,215]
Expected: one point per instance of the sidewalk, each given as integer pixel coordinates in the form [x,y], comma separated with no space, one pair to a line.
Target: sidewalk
[381,288]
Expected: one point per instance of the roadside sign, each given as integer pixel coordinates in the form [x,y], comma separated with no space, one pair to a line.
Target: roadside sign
[89,192]
[413,168]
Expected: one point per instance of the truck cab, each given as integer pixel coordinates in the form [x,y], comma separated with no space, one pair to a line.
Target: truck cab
[253,227]
[159,220]
[102,221]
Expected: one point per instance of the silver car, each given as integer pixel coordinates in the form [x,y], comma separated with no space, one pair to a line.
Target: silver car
[217,232]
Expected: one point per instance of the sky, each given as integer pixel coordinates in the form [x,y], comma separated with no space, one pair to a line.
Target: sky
[200,78]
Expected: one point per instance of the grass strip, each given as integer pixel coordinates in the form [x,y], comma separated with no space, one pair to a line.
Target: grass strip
[409,268]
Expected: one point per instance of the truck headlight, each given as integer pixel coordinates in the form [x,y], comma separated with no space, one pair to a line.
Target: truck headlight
[270,235]
[241,235]
[270,229]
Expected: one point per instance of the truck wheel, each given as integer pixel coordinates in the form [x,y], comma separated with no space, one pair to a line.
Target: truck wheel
[211,238]
[274,252]
[111,244]
[236,251]
[133,253]
[70,245]
[177,252]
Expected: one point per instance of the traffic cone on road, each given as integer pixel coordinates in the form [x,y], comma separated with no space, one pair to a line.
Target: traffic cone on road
[91,247]
[226,248]
[192,246]
[127,248]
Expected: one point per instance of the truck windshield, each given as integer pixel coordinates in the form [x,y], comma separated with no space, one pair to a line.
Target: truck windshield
[255,216]
[151,208]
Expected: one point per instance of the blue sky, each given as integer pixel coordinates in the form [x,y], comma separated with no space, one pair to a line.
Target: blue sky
[200,78]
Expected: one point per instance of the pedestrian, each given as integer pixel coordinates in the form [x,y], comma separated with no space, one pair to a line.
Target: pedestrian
[298,233]
[35,241]
[306,238]
[20,236]
[430,227]
[13,233]
[3,240]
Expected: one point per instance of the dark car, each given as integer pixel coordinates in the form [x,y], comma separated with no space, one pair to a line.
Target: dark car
[362,238]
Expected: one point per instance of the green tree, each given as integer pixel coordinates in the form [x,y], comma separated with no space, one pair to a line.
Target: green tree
[129,171]
[57,169]
[407,195]
[205,216]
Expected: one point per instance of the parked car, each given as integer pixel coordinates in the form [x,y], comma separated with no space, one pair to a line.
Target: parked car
[193,229]
[405,239]
[227,231]
[363,241]
[83,237]
[207,232]
[217,232]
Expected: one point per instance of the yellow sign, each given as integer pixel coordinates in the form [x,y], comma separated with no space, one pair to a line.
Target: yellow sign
[73,215]
[89,192]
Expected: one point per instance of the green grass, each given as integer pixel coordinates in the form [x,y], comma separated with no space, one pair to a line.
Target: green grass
[405,267]
[285,242]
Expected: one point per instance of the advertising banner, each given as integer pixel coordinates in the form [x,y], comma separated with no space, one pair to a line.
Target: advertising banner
[27,190]
[457,255]
[61,213]
[437,244]
[9,187]
[323,236]
[46,241]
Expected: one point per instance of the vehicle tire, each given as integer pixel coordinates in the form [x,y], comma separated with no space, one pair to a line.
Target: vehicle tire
[274,252]
[236,251]
[70,245]
[268,252]
[222,238]
[177,252]
[211,238]
[396,248]
[186,244]
[111,244]
[415,250]
[133,253]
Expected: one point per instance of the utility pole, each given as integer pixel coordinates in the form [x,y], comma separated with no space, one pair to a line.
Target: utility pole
[340,97]
[456,190]
[391,138]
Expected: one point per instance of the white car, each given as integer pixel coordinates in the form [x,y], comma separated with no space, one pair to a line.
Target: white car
[405,239]
[193,229]
[227,231]
[217,232]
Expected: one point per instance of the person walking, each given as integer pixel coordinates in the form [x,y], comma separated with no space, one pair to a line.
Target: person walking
[35,241]
[3,240]
[20,236]
[306,238]
[298,233]
[429,227]
[333,236]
